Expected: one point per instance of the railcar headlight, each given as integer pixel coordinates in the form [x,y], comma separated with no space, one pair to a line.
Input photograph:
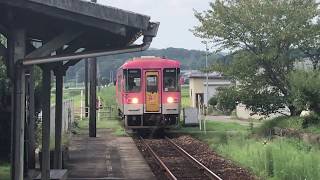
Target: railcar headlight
[134,101]
[170,100]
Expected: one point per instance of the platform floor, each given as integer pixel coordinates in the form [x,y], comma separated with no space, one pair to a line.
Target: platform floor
[106,157]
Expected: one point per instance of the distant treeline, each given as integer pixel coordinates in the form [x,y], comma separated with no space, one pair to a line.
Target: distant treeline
[190,59]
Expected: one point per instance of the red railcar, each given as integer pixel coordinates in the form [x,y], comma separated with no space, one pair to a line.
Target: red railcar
[148,92]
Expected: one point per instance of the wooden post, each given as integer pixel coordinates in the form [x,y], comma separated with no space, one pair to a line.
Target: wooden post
[46,87]
[17,51]
[81,104]
[59,73]
[31,120]
[86,74]
[93,97]
[183,116]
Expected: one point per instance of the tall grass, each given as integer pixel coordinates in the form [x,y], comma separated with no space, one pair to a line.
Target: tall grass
[282,158]
[291,159]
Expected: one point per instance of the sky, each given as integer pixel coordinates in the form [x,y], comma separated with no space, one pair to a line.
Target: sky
[176,18]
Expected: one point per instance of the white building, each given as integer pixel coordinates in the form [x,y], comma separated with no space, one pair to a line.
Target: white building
[197,86]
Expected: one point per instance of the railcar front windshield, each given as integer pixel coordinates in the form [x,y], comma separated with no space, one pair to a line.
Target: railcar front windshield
[171,80]
[133,80]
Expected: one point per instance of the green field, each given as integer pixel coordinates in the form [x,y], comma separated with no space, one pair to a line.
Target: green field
[74,94]
[279,158]
[185,98]
[107,96]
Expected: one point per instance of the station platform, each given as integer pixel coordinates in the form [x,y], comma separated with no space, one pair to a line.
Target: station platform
[106,157]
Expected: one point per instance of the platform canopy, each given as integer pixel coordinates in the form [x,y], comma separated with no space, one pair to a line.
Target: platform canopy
[57,34]
[99,26]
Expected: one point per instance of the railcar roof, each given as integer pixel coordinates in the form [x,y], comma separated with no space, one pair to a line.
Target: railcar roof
[151,63]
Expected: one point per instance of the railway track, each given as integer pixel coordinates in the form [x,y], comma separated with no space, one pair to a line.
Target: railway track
[176,162]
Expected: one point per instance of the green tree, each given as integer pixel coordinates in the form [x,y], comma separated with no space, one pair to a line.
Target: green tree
[305,86]
[261,34]
[310,46]
[227,99]
[213,101]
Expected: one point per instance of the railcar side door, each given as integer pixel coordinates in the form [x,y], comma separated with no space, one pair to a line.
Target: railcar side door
[152,91]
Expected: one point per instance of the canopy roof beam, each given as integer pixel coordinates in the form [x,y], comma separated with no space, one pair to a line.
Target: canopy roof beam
[148,36]
[54,44]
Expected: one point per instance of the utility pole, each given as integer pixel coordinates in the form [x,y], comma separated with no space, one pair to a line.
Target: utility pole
[207,76]
[111,77]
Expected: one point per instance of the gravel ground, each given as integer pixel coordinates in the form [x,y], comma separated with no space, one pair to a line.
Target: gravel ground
[178,164]
[224,168]
[157,171]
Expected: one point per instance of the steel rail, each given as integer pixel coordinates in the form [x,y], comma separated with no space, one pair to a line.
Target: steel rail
[168,172]
[207,171]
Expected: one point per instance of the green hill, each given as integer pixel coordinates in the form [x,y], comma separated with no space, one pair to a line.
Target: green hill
[190,59]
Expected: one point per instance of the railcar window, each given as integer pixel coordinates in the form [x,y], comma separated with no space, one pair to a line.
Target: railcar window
[152,84]
[171,80]
[133,80]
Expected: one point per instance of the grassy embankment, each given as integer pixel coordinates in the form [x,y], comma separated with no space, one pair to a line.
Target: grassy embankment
[277,158]
[283,158]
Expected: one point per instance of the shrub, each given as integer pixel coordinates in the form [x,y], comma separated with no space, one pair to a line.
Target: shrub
[305,87]
[312,119]
[227,99]
[266,128]
[213,101]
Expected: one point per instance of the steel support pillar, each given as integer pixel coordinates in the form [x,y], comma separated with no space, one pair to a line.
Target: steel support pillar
[93,98]
[46,86]
[59,73]
[86,74]
[17,46]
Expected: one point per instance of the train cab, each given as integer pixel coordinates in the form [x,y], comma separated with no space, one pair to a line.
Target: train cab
[148,93]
